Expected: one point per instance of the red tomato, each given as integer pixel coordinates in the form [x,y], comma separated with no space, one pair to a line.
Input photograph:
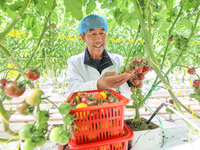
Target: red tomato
[136,59]
[83,97]
[33,75]
[171,101]
[170,39]
[138,69]
[146,69]
[135,81]
[196,83]
[97,96]
[3,81]
[140,85]
[191,71]
[11,89]
[141,76]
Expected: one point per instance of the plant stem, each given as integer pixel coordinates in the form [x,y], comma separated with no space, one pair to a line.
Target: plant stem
[137,113]
[52,103]
[170,31]
[14,22]
[135,39]
[42,34]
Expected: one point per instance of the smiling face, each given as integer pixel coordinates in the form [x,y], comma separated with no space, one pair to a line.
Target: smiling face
[95,40]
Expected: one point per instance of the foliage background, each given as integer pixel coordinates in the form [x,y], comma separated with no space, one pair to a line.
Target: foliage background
[62,42]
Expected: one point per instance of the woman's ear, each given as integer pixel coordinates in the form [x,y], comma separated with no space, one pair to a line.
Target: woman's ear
[83,37]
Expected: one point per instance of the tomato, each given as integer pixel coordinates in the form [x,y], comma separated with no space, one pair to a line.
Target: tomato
[140,85]
[171,101]
[3,81]
[141,76]
[39,141]
[53,25]
[33,75]
[196,83]
[54,135]
[42,116]
[135,81]
[65,108]
[33,97]
[191,71]
[81,115]
[112,99]
[97,96]
[83,97]
[92,102]
[139,91]
[26,131]
[64,137]
[136,59]
[170,39]
[12,89]
[138,69]
[29,144]
[68,119]
[128,70]
[22,108]
[104,95]
[133,96]
[133,89]
[122,69]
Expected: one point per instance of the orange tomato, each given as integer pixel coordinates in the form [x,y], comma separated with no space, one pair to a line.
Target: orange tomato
[97,96]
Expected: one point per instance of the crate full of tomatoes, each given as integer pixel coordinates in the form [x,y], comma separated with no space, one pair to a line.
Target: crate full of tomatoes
[99,113]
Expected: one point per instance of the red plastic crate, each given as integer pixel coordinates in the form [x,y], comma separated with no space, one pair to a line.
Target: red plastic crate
[120,143]
[99,122]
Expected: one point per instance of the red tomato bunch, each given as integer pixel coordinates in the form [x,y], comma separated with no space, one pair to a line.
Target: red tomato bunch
[139,67]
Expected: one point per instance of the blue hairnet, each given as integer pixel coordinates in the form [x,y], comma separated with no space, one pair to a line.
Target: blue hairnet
[92,21]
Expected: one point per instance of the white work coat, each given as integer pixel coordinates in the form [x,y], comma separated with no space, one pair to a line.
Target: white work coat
[83,77]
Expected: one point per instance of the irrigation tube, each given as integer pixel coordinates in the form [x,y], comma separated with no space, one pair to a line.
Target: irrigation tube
[182,116]
[175,111]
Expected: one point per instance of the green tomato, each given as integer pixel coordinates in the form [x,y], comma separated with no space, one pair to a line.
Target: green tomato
[42,116]
[40,141]
[26,131]
[68,119]
[64,137]
[54,135]
[122,69]
[33,97]
[139,91]
[65,108]
[133,96]
[29,144]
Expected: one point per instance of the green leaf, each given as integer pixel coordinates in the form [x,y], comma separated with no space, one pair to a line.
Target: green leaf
[75,7]
[16,6]
[11,14]
[91,5]
[164,26]
[185,22]
[169,4]
[189,4]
